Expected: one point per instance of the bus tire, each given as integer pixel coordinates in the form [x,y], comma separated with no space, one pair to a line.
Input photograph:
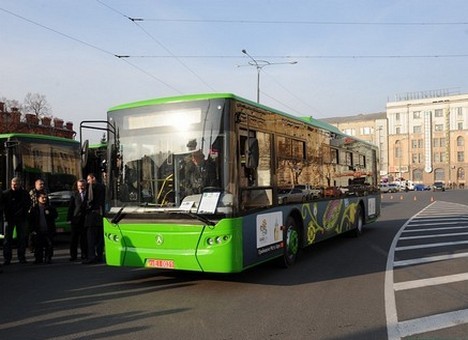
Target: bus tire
[358,228]
[291,237]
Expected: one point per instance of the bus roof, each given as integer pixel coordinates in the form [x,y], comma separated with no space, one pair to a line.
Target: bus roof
[205,96]
[38,136]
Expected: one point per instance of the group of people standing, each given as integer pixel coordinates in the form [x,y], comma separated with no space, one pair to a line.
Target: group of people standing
[33,218]
[85,213]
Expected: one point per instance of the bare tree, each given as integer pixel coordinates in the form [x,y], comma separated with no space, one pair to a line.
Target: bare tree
[11,103]
[37,103]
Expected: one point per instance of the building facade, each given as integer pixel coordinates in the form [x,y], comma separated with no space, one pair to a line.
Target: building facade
[14,121]
[427,138]
[371,127]
[423,137]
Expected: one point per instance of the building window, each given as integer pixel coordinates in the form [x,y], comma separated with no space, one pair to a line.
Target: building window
[439,127]
[397,116]
[417,175]
[442,142]
[438,113]
[439,175]
[460,125]
[461,174]
[414,144]
[460,156]
[350,132]
[349,159]
[397,130]
[416,114]
[416,158]
[435,142]
[436,157]
[367,131]
[460,141]
[417,129]
[459,112]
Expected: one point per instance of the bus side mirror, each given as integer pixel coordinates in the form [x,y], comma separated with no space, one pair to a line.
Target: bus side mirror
[17,164]
[84,154]
[251,153]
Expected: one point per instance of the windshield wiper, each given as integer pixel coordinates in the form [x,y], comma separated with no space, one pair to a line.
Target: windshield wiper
[198,217]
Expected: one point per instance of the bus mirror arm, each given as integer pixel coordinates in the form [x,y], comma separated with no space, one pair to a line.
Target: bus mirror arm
[118,217]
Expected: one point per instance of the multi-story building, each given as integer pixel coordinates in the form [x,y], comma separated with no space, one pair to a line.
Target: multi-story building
[421,136]
[14,121]
[426,137]
[369,127]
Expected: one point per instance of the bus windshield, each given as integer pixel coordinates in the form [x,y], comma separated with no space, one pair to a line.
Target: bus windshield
[56,161]
[167,156]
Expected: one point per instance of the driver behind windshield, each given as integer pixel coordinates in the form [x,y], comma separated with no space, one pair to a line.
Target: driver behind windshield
[200,173]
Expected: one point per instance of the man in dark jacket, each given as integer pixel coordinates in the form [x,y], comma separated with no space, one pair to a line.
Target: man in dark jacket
[94,220]
[1,221]
[42,222]
[16,206]
[76,215]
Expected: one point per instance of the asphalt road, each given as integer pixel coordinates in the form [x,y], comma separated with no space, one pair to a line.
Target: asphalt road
[339,289]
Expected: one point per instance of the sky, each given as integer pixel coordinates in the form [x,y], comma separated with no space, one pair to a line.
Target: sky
[353,56]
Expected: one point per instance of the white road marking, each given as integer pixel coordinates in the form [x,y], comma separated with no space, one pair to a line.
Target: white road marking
[398,329]
[430,282]
[433,229]
[429,259]
[431,236]
[431,245]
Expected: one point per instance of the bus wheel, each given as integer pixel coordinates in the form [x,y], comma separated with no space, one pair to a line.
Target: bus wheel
[359,222]
[291,242]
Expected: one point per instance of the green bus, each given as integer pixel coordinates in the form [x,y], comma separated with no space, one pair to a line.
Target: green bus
[56,160]
[272,184]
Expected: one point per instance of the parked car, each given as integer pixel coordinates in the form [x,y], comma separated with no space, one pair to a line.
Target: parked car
[438,186]
[312,192]
[421,187]
[393,187]
[384,187]
[292,195]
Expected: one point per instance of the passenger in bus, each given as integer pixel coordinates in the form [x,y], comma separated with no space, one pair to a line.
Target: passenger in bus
[16,206]
[200,174]
[93,222]
[42,223]
[76,214]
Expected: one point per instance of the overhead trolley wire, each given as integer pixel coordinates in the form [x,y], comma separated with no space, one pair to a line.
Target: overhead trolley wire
[305,56]
[121,57]
[137,21]
[306,22]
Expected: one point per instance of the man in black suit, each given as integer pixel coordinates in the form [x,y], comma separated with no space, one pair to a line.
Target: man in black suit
[94,220]
[16,206]
[76,216]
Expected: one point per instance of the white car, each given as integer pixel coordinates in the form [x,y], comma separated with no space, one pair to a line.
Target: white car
[312,192]
[292,195]
[384,187]
[389,187]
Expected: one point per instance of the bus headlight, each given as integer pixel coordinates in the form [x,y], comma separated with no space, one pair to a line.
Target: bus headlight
[220,239]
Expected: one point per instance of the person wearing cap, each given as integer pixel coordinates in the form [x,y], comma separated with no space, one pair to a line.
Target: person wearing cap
[201,173]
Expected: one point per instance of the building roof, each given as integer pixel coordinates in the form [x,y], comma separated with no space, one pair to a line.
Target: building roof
[356,118]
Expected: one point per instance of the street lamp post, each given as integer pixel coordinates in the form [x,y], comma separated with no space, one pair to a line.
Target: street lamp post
[259,64]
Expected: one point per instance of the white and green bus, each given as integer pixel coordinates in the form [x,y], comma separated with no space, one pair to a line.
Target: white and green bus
[272,184]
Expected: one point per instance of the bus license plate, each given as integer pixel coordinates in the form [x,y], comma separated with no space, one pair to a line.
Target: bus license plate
[157,263]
